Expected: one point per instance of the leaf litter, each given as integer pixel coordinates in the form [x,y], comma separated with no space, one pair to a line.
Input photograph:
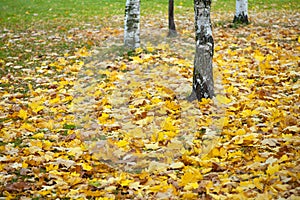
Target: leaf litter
[117,125]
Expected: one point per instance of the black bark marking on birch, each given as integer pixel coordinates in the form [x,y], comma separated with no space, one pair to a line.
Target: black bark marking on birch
[207,3]
[210,40]
[200,87]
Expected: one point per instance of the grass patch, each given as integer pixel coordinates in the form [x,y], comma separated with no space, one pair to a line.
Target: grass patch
[69,126]
[22,14]
[56,10]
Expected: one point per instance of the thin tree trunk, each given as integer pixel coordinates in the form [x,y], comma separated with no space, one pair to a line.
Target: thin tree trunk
[203,83]
[241,12]
[172,27]
[132,24]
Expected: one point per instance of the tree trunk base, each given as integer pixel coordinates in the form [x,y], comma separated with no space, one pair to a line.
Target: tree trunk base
[192,96]
[241,19]
[172,33]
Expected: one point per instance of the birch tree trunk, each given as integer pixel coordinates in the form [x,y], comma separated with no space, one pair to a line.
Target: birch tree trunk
[132,24]
[203,83]
[241,12]
[172,27]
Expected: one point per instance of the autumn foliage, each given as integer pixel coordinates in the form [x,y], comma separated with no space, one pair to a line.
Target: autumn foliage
[102,125]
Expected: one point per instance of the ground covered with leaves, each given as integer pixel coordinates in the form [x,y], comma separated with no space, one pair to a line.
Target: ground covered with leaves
[83,123]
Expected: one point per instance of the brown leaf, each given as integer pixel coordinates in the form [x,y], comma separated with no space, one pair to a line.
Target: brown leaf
[217,168]
[17,186]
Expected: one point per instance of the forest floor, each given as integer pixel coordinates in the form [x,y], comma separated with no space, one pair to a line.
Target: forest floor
[81,118]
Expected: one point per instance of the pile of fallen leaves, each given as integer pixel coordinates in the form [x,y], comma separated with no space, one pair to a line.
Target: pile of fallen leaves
[119,127]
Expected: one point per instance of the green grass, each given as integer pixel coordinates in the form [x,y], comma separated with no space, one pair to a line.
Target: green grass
[20,13]
[44,12]
[255,5]
[274,5]
[24,13]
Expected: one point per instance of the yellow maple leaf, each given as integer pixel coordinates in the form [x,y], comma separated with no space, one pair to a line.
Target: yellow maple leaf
[204,101]
[68,98]
[99,193]
[240,132]
[38,136]
[123,66]
[162,187]
[249,113]
[233,108]
[284,158]
[145,121]
[137,59]
[122,143]
[36,143]
[246,113]
[54,100]
[261,41]
[170,134]
[215,152]
[172,105]
[247,184]
[89,72]
[46,124]
[86,167]
[149,47]
[51,167]
[232,53]
[45,192]
[138,50]
[191,175]
[126,182]
[191,186]
[47,145]
[28,127]
[82,52]
[223,121]
[167,125]
[36,106]
[272,169]
[24,164]
[190,195]
[103,118]
[259,56]
[75,174]
[223,99]
[23,114]
[158,137]
[258,184]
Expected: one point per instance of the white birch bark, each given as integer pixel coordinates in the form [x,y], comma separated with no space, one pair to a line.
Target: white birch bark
[241,12]
[132,24]
[203,84]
